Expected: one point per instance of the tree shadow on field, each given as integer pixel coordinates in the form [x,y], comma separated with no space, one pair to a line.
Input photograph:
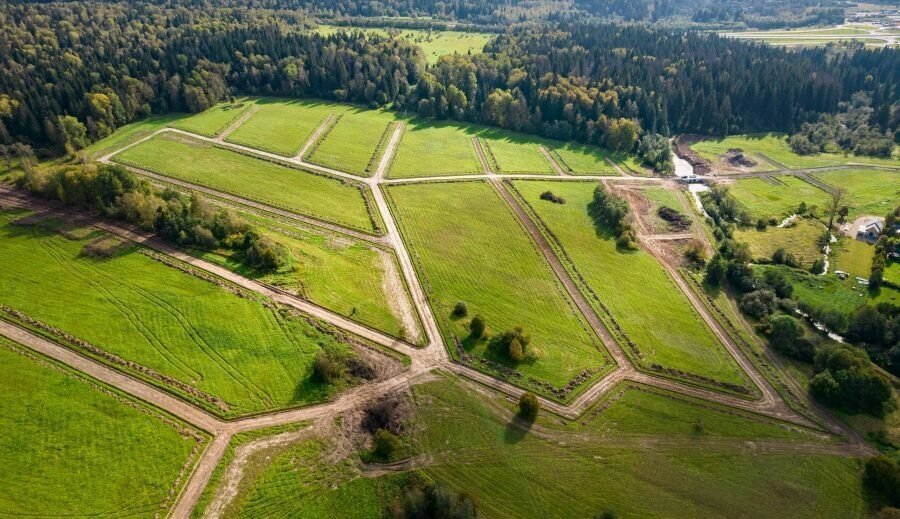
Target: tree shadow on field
[516,430]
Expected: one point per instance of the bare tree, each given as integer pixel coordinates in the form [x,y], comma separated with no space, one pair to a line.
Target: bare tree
[838,199]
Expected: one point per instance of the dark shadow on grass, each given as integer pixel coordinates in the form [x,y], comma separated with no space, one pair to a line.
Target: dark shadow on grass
[516,430]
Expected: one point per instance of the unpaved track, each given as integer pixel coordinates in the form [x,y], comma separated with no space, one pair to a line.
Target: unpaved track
[237,123]
[482,158]
[314,137]
[556,167]
[423,360]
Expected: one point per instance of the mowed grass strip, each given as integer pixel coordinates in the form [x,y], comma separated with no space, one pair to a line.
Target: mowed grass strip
[871,192]
[71,448]
[779,197]
[214,120]
[646,303]
[355,142]
[283,126]
[237,349]
[515,153]
[132,132]
[470,247]
[288,188]
[429,149]
[509,472]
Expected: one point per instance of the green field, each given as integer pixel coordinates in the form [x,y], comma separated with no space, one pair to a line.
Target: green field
[213,121]
[132,133]
[774,146]
[282,126]
[73,447]
[434,43]
[306,193]
[651,464]
[800,238]
[853,256]
[508,152]
[429,149]
[778,198]
[871,192]
[640,295]
[828,293]
[578,159]
[470,247]
[892,272]
[355,143]
[345,275]
[231,348]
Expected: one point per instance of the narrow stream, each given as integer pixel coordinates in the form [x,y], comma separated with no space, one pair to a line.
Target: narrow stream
[683,169]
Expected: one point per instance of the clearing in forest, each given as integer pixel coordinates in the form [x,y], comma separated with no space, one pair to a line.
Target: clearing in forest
[431,149]
[74,447]
[646,303]
[226,350]
[355,142]
[292,189]
[469,247]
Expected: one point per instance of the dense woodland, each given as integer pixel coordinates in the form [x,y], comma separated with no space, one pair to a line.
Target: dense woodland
[73,72]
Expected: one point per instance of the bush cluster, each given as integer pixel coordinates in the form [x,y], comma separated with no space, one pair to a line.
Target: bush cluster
[549,196]
[612,212]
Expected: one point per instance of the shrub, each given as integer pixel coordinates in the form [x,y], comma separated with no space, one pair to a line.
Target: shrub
[461,309]
[759,303]
[882,478]
[529,406]
[424,499]
[761,224]
[846,379]
[511,343]
[386,445]
[549,196]
[818,266]
[695,252]
[516,351]
[476,327]
[786,336]
[328,367]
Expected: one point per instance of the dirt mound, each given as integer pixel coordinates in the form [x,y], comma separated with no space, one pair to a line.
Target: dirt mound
[736,157]
[676,220]
[390,413]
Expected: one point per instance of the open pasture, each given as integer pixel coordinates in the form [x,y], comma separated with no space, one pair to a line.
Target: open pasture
[305,193]
[434,43]
[640,295]
[432,149]
[699,463]
[777,196]
[801,238]
[74,447]
[470,247]
[579,159]
[853,256]
[240,354]
[355,143]
[347,276]
[282,126]
[871,192]
[509,152]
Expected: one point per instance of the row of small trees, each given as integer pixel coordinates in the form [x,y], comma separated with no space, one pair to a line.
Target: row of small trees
[611,213]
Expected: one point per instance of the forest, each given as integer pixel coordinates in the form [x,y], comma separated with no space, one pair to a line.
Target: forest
[72,73]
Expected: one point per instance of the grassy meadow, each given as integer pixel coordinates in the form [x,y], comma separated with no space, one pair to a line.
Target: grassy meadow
[288,188]
[74,447]
[853,256]
[214,120]
[645,456]
[239,350]
[355,143]
[283,126]
[432,149]
[131,133]
[870,192]
[578,159]
[639,294]
[469,246]
[778,198]
[434,43]
[347,276]
[509,152]
[832,294]
[800,238]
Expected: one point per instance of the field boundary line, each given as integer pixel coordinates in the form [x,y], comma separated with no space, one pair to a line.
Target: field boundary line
[555,165]
[320,133]
[237,122]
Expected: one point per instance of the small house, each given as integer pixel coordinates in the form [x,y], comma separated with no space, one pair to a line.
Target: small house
[869,231]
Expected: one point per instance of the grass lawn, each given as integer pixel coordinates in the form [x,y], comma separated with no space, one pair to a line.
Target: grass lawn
[892,272]
[639,294]
[832,294]
[872,192]
[853,256]
[214,120]
[306,193]
[431,149]
[282,126]
[74,447]
[342,274]
[355,143]
[509,152]
[470,247]
[434,43]
[132,132]
[774,146]
[763,199]
[578,159]
[236,349]
[650,465]
[801,238]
